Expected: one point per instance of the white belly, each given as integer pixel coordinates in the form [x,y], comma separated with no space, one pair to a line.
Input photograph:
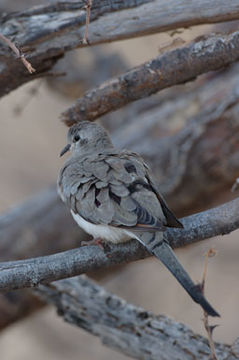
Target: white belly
[106,232]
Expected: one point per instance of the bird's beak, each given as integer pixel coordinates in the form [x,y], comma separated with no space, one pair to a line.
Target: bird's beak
[66,148]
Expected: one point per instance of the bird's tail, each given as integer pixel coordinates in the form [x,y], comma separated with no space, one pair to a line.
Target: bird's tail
[164,252]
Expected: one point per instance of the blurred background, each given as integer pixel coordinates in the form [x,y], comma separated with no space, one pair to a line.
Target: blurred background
[31,138]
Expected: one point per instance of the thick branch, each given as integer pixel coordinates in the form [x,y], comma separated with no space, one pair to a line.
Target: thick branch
[171,68]
[47,32]
[32,272]
[126,328]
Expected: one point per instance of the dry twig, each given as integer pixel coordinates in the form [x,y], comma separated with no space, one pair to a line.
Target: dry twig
[209,328]
[87,21]
[19,53]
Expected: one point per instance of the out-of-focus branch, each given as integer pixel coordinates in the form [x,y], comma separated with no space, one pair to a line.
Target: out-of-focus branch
[32,272]
[42,225]
[126,328]
[46,32]
[191,141]
[171,68]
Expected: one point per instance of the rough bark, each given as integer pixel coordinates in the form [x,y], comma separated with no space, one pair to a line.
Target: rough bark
[32,272]
[171,68]
[46,32]
[126,328]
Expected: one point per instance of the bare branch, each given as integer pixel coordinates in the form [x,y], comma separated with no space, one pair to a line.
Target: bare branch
[209,328]
[126,328]
[47,32]
[87,22]
[171,68]
[32,272]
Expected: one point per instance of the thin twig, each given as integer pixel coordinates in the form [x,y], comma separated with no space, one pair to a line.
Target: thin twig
[19,53]
[87,21]
[209,329]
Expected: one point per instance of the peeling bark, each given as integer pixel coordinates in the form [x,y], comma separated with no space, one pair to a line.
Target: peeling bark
[126,328]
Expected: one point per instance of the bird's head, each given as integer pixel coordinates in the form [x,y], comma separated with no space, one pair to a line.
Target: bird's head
[87,137]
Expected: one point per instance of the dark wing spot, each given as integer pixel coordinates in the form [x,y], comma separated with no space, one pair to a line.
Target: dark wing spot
[97,202]
[130,168]
[115,197]
[171,219]
[137,185]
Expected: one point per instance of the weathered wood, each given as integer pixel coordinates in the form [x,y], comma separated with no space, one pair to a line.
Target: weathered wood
[32,272]
[46,32]
[126,328]
[171,68]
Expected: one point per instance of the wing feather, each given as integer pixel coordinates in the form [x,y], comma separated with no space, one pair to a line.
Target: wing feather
[116,190]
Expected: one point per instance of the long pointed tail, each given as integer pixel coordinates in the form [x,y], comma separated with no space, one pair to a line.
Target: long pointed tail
[164,253]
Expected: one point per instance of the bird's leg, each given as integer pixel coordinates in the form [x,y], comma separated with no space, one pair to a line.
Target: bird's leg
[100,243]
[96,241]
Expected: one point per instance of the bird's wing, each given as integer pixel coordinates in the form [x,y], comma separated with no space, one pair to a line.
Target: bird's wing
[115,190]
[171,219]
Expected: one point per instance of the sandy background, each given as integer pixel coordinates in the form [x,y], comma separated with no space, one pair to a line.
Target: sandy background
[29,161]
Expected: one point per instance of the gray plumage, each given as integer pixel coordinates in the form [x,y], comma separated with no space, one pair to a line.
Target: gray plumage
[112,194]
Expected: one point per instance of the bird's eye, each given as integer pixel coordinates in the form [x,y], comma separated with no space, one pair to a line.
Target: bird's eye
[76,138]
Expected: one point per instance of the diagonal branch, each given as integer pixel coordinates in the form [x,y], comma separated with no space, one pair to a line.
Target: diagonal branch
[46,32]
[126,328]
[174,67]
[32,272]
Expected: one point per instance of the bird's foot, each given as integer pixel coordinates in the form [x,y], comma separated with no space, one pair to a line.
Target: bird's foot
[100,243]
[95,241]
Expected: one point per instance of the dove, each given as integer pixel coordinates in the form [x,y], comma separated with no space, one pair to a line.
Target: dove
[112,195]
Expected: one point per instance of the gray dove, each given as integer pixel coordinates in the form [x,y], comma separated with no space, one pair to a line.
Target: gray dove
[112,195]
